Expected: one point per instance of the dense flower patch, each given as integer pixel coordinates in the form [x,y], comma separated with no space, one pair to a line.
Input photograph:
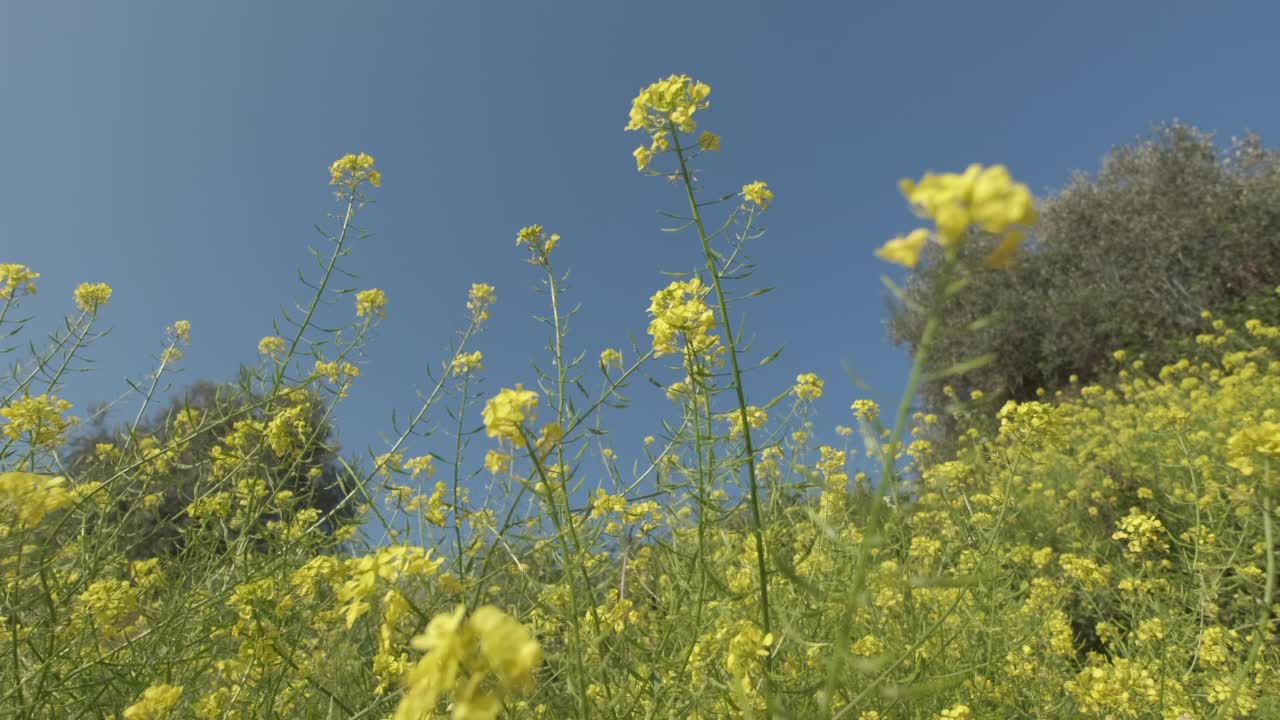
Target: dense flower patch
[1106,552]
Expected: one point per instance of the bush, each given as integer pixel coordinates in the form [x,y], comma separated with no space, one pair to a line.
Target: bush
[1127,260]
[202,417]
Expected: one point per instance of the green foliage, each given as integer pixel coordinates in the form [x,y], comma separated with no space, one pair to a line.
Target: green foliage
[313,475]
[1125,260]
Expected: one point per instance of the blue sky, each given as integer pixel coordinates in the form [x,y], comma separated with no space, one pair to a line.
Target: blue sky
[178,151]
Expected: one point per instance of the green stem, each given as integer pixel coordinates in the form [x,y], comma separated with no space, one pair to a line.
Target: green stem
[748,449]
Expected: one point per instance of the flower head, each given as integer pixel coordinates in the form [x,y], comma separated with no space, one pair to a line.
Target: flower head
[538,241]
[91,296]
[271,345]
[670,101]
[371,302]
[904,250]
[155,704]
[479,298]
[16,279]
[808,386]
[506,412]
[611,357]
[679,310]
[351,170]
[986,197]
[666,105]
[466,362]
[39,418]
[758,193]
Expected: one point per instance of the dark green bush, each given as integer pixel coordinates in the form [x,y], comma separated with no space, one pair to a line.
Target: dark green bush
[1128,259]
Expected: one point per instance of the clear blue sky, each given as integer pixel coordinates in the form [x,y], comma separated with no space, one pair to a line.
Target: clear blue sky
[178,151]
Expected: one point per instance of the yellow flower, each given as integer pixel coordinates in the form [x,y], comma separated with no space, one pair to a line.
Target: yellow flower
[479,299]
[480,661]
[808,386]
[539,242]
[371,302]
[643,156]
[466,363]
[497,462]
[610,357]
[271,345]
[182,330]
[756,418]
[91,296]
[1255,444]
[904,250]
[351,170]
[679,310]
[709,141]
[29,497]
[986,197]
[672,101]
[506,412]
[759,193]
[866,410]
[39,417]
[156,703]
[15,279]
[1140,532]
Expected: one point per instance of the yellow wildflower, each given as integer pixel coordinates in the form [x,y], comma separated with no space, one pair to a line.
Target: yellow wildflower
[610,357]
[39,418]
[156,703]
[466,362]
[904,250]
[506,412]
[15,279]
[91,296]
[808,386]
[351,170]
[480,297]
[758,192]
[679,309]
[371,302]
[272,345]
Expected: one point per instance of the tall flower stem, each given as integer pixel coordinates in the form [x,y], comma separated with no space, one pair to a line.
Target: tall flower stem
[731,345]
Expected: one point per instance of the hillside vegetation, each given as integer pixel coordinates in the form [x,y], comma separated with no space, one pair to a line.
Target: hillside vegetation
[1097,550]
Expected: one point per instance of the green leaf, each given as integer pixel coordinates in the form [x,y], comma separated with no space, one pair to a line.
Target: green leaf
[961,368]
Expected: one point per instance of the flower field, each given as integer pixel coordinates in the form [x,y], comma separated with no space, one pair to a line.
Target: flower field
[1108,551]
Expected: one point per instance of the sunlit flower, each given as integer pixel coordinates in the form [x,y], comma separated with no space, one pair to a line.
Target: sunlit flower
[91,296]
[479,300]
[16,279]
[351,170]
[371,302]
[505,413]
[758,192]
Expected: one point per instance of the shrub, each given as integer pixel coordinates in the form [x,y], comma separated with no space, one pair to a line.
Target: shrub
[1127,260]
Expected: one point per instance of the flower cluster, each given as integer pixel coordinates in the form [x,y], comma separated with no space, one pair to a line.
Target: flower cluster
[668,105]
[506,413]
[680,311]
[480,661]
[351,170]
[39,418]
[371,302]
[538,241]
[985,197]
[91,296]
[16,280]
[479,299]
